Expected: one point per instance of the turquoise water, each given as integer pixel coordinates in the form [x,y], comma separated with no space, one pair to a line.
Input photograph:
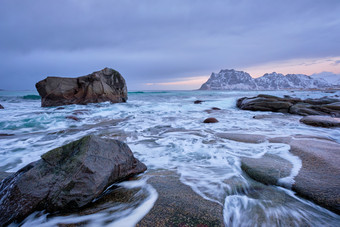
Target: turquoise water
[164,129]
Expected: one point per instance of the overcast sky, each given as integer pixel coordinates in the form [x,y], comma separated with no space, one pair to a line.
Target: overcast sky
[173,44]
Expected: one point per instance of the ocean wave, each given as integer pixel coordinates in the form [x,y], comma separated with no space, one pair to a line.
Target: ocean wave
[32,97]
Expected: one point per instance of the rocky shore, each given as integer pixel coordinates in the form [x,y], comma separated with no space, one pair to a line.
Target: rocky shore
[317,177]
[326,110]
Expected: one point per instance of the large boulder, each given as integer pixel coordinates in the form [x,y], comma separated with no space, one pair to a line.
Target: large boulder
[317,180]
[321,106]
[66,178]
[101,86]
[264,103]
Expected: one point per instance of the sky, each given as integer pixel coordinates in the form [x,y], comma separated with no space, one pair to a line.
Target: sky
[165,44]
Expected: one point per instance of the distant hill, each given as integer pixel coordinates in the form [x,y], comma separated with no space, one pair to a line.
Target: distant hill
[230,79]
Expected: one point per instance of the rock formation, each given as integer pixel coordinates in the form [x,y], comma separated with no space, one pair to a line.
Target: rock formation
[230,79]
[321,121]
[101,86]
[317,180]
[66,178]
[322,106]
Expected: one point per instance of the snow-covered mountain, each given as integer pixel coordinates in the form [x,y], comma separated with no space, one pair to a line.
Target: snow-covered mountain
[230,79]
[328,76]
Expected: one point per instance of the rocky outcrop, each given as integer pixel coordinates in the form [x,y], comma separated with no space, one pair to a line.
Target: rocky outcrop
[239,80]
[317,180]
[321,121]
[101,86]
[322,106]
[1,107]
[66,178]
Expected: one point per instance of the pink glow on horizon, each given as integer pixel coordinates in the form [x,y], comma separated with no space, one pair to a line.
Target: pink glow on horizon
[297,66]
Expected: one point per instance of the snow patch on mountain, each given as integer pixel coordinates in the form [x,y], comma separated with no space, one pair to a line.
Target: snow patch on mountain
[328,76]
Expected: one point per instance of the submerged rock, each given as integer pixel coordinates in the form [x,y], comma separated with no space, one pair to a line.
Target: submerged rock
[317,180]
[198,101]
[322,106]
[66,178]
[210,120]
[321,121]
[101,86]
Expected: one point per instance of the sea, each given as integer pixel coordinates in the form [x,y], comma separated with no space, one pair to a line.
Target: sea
[165,130]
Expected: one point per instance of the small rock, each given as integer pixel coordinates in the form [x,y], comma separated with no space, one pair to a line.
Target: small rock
[212,110]
[1,107]
[321,121]
[72,118]
[210,120]
[60,108]
[198,102]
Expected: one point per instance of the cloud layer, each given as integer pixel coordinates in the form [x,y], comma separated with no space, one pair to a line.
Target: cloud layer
[159,42]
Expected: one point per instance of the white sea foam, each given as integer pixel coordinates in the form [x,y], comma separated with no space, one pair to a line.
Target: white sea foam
[165,131]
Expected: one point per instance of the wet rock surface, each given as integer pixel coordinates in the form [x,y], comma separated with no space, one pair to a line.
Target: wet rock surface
[179,205]
[1,107]
[317,180]
[210,120]
[321,121]
[268,169]
[322,106]
[100,86]
[66,178]
[245,138]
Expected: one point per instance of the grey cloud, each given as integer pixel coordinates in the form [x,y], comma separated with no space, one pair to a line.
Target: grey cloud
[156,41]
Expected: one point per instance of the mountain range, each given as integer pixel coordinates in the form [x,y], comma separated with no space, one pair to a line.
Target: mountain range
[230,79]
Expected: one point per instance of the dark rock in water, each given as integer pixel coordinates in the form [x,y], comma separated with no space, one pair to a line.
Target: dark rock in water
[264,104]
[179,205]
[198,102]
[213,109]
[101,86]
[72,118]
[317,180]
[60,108]
[1,107]
[304,109]
[322,106]
[66,178]
[210,120]
[321,121]
[5,134]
